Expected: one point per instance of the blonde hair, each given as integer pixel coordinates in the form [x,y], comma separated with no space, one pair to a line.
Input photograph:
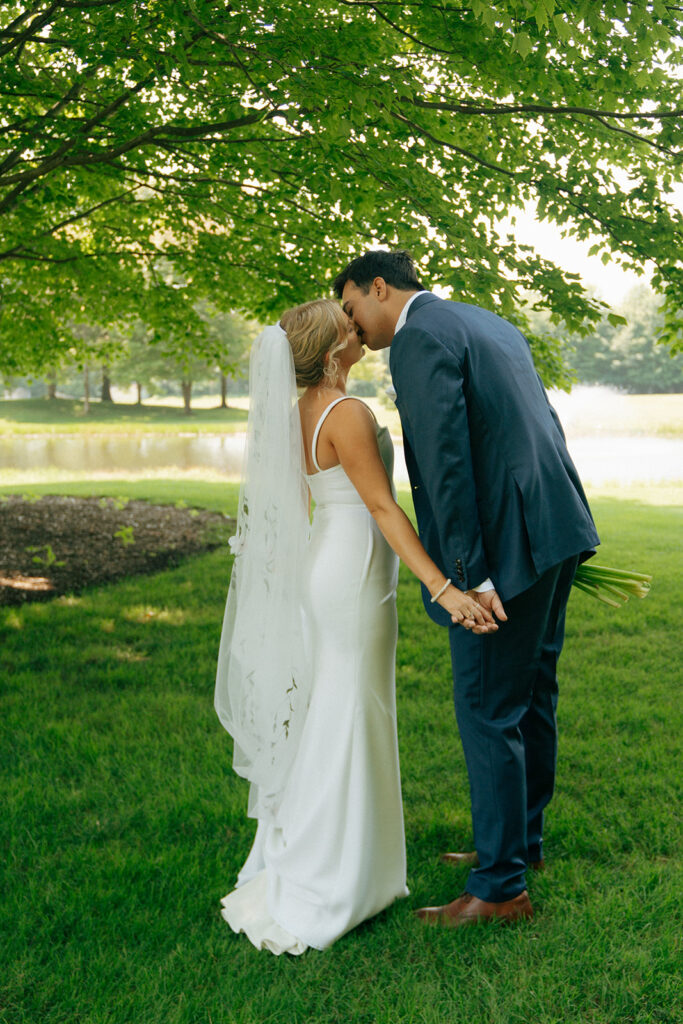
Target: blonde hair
[315,330]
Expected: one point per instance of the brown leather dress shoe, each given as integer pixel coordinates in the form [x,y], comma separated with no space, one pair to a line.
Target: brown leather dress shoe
[468,909]
[469,858]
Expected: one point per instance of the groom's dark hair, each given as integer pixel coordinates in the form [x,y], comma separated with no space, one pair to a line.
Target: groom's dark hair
[397,269]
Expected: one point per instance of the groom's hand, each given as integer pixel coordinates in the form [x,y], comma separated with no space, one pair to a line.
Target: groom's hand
[491,606]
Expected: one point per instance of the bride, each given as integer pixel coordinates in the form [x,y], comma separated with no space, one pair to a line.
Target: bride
[305,681]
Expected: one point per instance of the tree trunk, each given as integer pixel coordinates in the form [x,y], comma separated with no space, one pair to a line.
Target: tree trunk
[105,394]
[187,396]
[224,391]
[138,385]
[51,385]
[86,390]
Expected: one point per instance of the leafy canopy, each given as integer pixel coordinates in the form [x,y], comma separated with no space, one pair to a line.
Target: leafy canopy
[255,147]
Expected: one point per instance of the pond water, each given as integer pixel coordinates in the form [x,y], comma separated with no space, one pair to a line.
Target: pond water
[627,460]
[99,454]
[594,420]
[599,459]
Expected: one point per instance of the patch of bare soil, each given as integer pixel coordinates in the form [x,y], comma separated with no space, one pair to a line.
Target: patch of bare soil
[57,545]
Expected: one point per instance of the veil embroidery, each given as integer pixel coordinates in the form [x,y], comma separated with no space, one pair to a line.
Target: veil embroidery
[263,679]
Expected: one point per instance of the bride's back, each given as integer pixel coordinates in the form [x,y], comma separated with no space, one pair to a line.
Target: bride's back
[312,406]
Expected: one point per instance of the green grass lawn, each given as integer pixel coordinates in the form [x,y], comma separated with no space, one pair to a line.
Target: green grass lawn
[657,415]
[123,823]
[64,416]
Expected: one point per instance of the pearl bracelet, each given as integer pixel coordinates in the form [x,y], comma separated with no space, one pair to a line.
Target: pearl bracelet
[440,592]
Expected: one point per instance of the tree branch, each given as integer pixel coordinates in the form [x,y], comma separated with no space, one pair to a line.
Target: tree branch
[152,135]
[17,250]
[84,5]
[537,108]
[102,115]
[236,183]
[48,40]
[36,24]
[450,145]
[56,159]
[20,20]
[12,158]
[605,225]
[615,129]
[376,8]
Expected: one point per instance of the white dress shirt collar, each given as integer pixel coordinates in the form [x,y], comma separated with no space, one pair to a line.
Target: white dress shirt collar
[404,312]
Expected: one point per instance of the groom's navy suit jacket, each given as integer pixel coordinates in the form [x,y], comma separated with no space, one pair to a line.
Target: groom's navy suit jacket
[496,493]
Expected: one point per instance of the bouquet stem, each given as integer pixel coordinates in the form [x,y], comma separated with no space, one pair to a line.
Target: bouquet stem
[611,586]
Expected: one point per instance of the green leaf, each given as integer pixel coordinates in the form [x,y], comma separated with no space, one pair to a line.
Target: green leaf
[522,44]
[562,27]
[541,16]
[171,175]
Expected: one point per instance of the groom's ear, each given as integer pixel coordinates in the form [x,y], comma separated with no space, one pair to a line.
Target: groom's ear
[379,289]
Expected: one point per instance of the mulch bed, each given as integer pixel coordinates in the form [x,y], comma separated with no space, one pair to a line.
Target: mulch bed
[58,545]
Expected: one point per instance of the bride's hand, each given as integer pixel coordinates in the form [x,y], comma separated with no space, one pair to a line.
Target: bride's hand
[465,610]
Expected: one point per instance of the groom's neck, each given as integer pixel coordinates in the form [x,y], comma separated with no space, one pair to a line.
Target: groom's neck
[399,300]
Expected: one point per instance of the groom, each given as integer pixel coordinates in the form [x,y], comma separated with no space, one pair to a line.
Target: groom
[501,510]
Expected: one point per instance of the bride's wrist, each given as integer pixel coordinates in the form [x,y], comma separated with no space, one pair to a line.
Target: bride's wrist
[440,591]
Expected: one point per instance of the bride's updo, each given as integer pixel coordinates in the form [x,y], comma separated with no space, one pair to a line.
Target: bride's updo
[315,330]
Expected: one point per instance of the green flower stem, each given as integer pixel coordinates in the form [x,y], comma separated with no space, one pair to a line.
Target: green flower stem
[611,586]
[626,574]
[594,592]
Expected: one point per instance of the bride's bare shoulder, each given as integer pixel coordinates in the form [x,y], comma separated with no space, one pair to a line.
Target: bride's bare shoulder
[347,417]
[355,409]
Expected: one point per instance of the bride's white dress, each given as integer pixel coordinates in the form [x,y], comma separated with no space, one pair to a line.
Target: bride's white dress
[336,854]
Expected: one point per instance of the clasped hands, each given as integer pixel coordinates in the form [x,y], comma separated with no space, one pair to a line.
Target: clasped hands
[474,610]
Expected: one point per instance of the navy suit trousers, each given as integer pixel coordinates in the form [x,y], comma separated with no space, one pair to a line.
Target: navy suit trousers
[505,692]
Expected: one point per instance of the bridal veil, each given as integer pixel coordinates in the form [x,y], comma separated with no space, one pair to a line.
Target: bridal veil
[263,679]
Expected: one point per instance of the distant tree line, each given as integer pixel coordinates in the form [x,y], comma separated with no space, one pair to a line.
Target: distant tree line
[134,355]
[620,352]
[624,355]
